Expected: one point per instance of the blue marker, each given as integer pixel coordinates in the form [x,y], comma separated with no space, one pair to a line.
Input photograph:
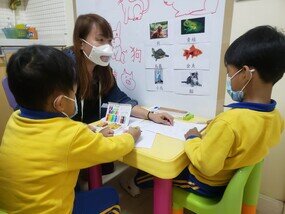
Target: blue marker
[155,108]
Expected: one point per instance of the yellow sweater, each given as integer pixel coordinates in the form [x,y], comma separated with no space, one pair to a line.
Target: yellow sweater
[234,139]
[40,161]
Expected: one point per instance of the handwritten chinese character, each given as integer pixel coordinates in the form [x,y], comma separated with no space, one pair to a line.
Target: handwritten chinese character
[136,54]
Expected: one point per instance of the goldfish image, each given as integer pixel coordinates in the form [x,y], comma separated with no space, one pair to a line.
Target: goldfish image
[192,51]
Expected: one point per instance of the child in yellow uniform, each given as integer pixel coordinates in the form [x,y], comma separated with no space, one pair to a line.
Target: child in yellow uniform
[243,135]
[42,149]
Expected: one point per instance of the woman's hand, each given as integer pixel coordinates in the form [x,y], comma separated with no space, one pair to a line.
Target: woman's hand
[107,132]
[163,118]
[193,132]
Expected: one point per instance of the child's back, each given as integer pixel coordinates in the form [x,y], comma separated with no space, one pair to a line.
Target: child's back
[42,150]
[236,138]
[243,135]
[40,161]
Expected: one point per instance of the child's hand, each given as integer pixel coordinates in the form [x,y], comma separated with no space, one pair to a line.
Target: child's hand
[92,128]
[194,132]
[107,132]
[135,132]
[209,121]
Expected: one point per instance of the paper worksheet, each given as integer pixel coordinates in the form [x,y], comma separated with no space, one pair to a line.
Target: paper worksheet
[150,129]
[176,131]
[146,139]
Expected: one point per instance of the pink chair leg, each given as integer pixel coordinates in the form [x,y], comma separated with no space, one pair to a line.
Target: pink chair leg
[95,177]
[162,196]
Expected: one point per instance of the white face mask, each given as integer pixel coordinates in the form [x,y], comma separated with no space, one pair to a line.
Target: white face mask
[75,106]
[100,55]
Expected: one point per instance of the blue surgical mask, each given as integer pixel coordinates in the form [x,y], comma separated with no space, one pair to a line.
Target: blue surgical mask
[75,106]
[237,95]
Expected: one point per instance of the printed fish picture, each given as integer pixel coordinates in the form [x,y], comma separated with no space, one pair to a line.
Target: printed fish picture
[192,51]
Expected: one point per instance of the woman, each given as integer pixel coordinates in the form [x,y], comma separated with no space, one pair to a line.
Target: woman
[91,53]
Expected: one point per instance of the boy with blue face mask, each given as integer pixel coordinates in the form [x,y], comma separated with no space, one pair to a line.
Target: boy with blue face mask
[243,135]
[42,149]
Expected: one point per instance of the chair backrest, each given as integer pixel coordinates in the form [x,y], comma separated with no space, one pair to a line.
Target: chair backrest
[252,187]
[244,186]
[241,195]
[10,97]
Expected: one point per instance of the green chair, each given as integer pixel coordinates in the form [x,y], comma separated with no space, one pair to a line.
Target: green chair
[240,196]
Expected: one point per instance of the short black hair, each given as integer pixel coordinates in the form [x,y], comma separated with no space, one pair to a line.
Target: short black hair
[263,48]
[36,72]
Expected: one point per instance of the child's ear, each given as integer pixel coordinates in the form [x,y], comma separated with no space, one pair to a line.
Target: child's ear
[246,72]
[58,103]
[245,68]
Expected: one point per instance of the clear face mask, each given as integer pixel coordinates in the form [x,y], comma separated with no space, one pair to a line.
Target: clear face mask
[100,55]
[75,106]
[237,95]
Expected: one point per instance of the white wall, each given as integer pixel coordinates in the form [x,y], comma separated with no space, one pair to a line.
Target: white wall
[248,14]
[70,21]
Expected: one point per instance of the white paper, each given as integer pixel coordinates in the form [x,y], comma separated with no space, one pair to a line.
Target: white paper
[150,129]
[176,131]
[146,139]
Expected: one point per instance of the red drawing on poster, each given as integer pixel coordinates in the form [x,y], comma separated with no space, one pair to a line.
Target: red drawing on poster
[197,7]
[118,52]
[115,74]
[136,54]
[128,80]
[133,9]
